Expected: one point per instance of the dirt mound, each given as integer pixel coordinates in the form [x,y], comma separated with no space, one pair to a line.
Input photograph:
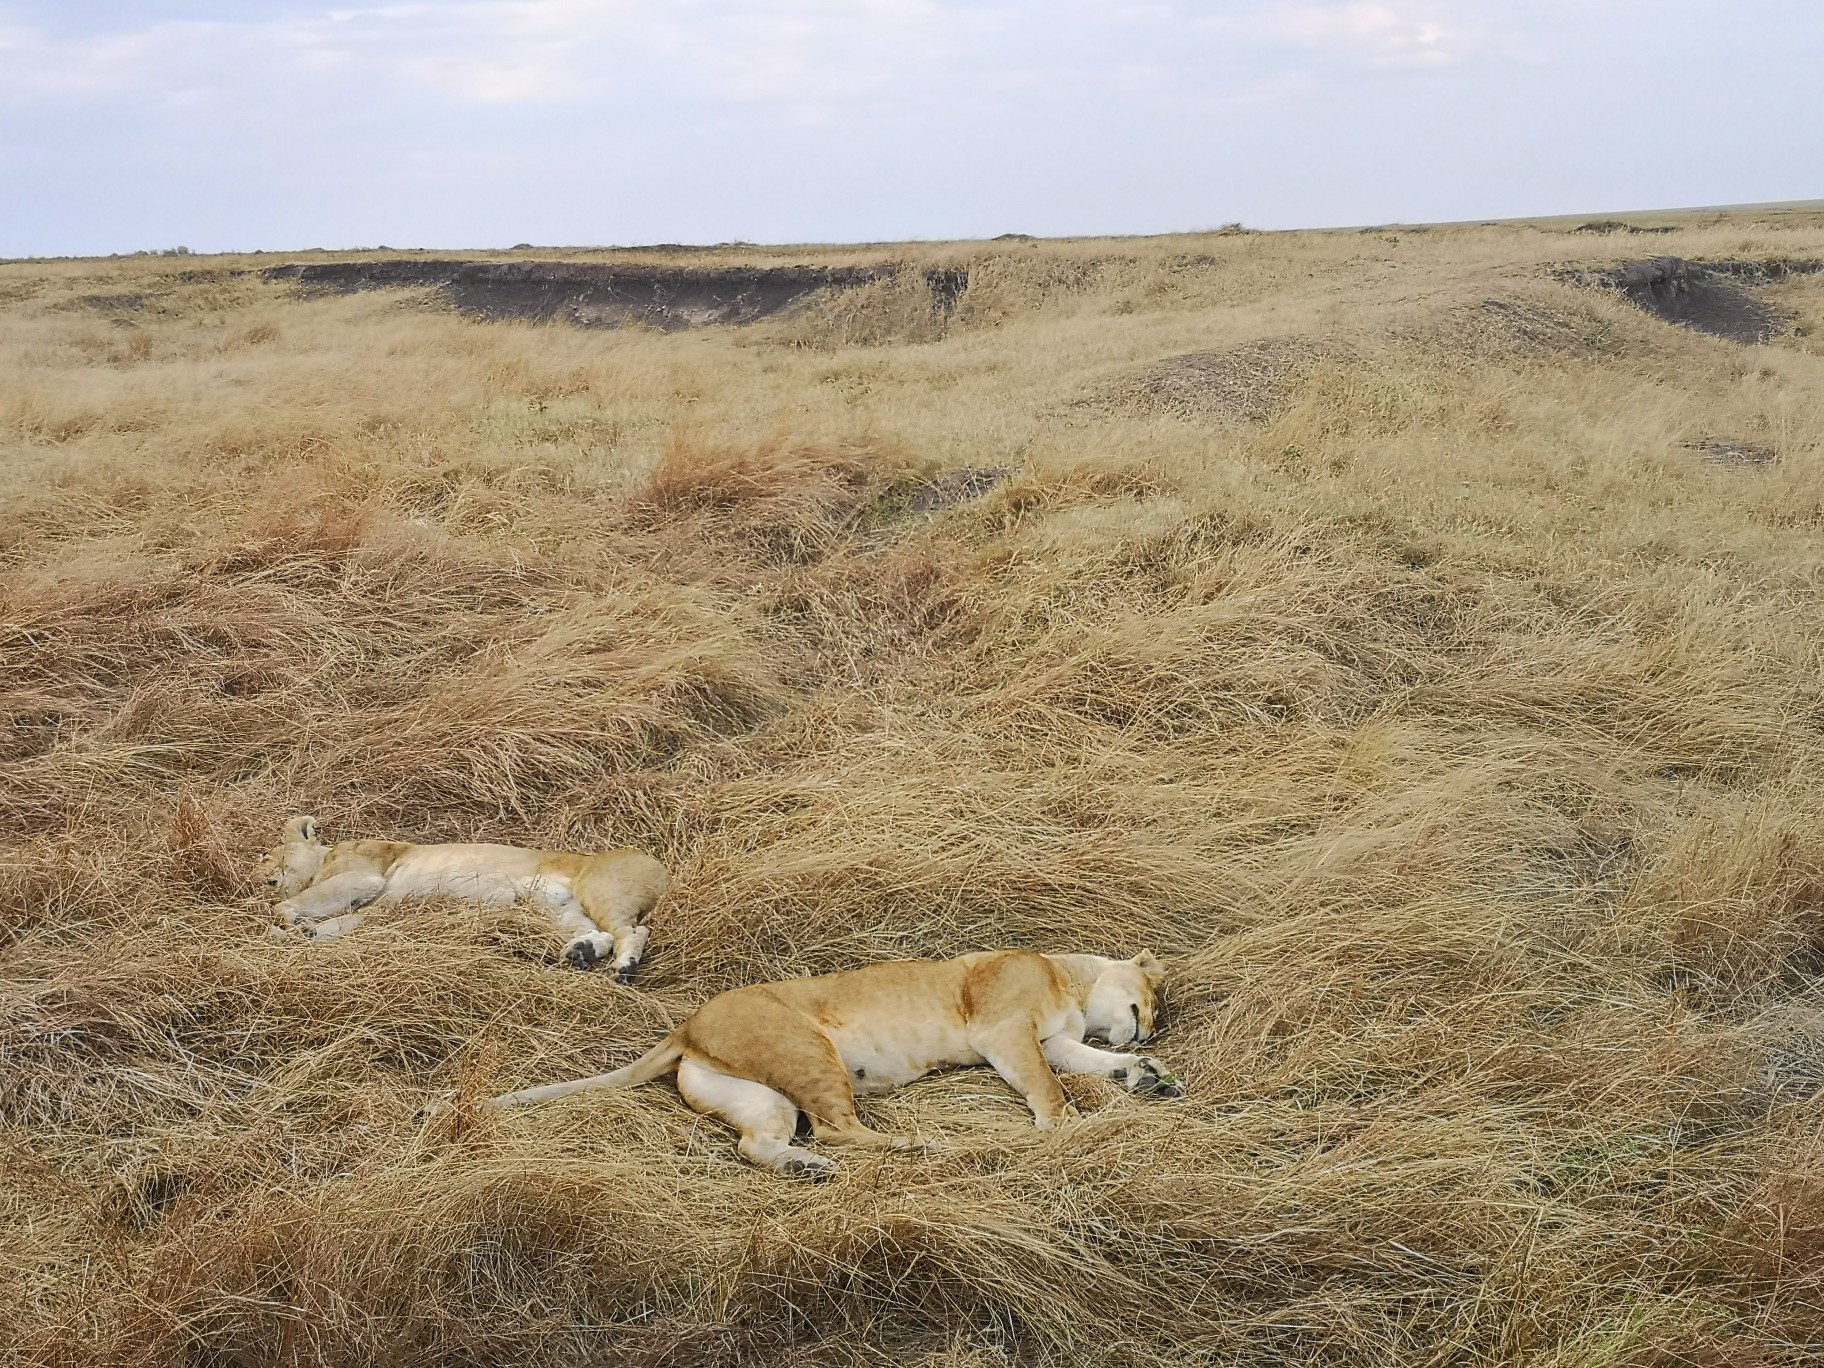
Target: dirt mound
[1249,382]
[115,303]
[1711,296]
[1497,328]
[591,294]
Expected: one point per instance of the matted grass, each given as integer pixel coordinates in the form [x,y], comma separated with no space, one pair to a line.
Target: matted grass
[1447,720]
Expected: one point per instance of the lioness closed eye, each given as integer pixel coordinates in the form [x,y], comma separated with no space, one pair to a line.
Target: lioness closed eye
[756,1056]
[599,903]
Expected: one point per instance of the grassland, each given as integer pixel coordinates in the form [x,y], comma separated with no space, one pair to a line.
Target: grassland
[1396,666]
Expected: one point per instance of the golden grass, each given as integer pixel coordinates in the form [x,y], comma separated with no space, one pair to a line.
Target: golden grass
[1452,727]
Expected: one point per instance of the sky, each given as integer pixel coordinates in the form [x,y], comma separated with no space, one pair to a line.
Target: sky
[280,124]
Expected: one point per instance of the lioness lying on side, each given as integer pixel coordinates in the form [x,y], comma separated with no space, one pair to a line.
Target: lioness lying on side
[598,902]
[756,1056]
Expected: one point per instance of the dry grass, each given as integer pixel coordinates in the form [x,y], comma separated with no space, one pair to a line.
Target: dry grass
[1452,724]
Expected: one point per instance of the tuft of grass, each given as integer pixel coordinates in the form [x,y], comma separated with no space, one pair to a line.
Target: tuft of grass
[1450,724]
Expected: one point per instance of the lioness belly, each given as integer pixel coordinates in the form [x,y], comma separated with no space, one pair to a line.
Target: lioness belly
[881,1059]
[489,874]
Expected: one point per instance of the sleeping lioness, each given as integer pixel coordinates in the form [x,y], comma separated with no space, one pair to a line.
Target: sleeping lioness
[756,1056]
[599,903]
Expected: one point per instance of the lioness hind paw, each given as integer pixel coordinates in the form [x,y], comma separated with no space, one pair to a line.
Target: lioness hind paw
[624,975]
[812,1168]
[436,1107]
[582,955]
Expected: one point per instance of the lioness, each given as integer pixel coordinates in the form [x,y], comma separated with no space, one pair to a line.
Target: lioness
[600,902]
[755,1056]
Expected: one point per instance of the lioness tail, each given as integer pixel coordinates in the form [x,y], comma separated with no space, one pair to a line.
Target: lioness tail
[660,1059]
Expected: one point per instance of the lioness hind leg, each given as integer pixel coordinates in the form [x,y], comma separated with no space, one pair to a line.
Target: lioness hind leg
[585,945]
[629,947]
[597,932]
[821,1087]
[752,1030]
[1136,1073]
[619,914]
[765,1118]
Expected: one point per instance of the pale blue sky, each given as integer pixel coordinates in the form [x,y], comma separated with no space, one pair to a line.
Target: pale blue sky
[234,124]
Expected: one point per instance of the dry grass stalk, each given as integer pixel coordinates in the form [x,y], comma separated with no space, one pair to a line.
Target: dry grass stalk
[1452,727]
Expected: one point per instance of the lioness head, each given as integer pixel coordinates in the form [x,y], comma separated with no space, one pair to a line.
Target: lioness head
[294,862]
[1121,1004]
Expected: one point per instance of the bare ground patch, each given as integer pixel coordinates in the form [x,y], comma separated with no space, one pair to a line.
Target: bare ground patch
[956,487]
[1731,453]
[1715,297]
[591,294]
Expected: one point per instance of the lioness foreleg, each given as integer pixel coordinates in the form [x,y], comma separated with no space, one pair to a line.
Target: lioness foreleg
[331,927]
[1016,1055]
[765,1118]
[1136,1073]
[333,896]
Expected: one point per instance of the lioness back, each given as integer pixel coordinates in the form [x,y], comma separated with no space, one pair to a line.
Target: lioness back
[889,1023]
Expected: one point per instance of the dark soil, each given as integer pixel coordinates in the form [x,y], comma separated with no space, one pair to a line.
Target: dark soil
[1711,296]
[947,285]
[120,303]
[1606,226]
[591,294]
[1722,452]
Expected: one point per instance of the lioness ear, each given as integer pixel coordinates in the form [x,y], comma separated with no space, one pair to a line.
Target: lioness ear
[301,829]
[1148,963]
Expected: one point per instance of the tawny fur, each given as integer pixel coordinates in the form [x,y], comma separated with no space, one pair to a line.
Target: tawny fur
[757,1056]
[600,903]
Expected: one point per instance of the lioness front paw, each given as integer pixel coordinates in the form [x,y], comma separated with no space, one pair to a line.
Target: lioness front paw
[1067,1112]
[812,1168]
[624,974]
[1153,1081]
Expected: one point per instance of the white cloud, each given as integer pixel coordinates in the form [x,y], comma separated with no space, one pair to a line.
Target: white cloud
[490,53]
[806,59]
[285,121]
[1391,33]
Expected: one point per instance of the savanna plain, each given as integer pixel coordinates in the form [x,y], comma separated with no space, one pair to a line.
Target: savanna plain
[1415,647]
